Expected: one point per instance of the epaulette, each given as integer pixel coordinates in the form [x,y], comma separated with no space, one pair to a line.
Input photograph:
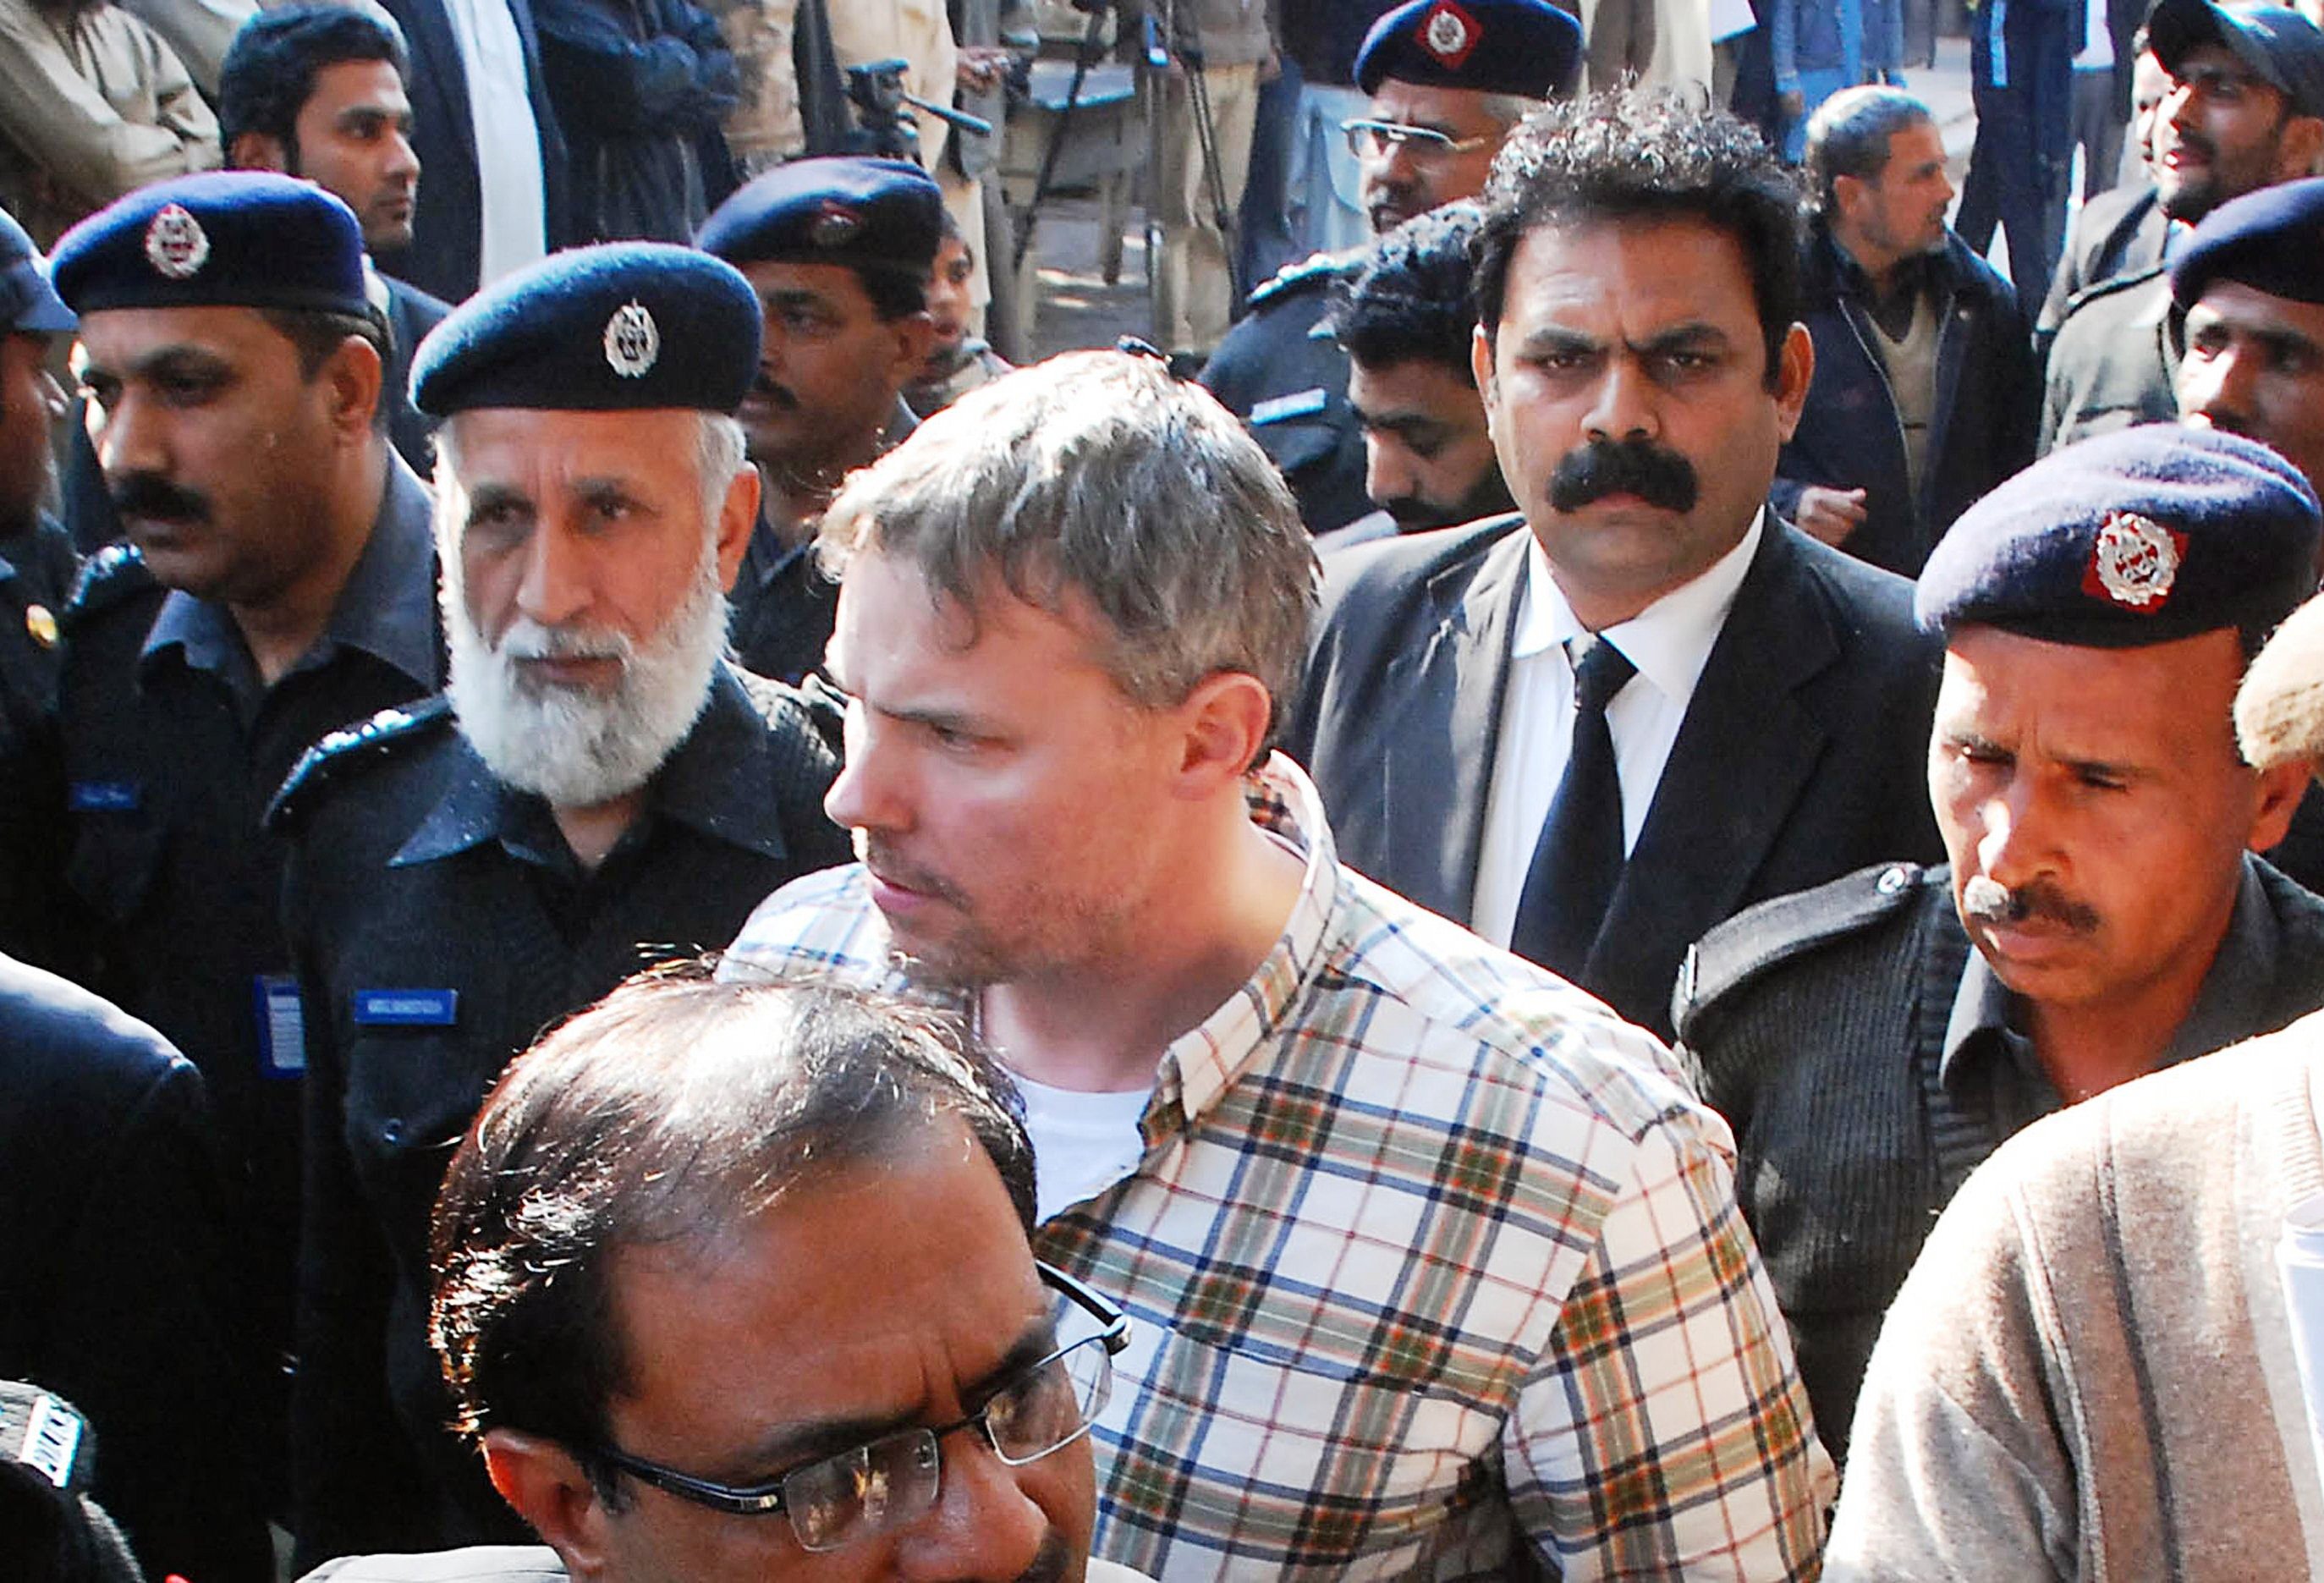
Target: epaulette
[1763,937]
[106,578]
[1317,268]
[813,699]
[340,752]
[2111,286]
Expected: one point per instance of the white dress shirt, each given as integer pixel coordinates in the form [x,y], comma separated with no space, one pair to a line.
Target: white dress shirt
[1669,642]
[514,218]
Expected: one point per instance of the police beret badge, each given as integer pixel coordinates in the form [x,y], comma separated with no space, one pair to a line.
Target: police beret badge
[175,243]
[2133,562]
[1449,34]
[836,225]
[633,340]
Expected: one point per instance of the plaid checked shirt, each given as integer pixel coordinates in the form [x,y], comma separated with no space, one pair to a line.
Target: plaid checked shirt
[1435,1267]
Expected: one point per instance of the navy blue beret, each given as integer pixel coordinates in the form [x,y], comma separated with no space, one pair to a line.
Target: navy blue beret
[620,327]
[28,303]
[2283,47]
[2271,240]
[2142,536]
[863,212]
[1524,47]
[225,239]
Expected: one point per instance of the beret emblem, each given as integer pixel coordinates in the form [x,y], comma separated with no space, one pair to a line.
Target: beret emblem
[836,225]
[2133,562]
[1449,34]
[175,243]
[632,341]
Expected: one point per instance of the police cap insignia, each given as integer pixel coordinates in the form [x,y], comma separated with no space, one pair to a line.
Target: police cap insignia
[2134,561]
[42,623]
[175,243]
[1449,34]
[633,341]
[836,225]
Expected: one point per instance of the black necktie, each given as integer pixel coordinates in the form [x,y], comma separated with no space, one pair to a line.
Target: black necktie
[1580,854]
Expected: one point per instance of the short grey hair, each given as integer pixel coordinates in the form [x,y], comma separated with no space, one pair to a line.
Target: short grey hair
[1508,109]
[2280,707]
[719,455]
[1098,472]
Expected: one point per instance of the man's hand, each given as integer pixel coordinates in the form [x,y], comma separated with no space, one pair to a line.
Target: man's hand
[983,67]
[1830,514]
[1795,103]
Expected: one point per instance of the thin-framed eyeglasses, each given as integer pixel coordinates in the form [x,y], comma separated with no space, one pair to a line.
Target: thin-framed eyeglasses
[1373,140]
[835,1501]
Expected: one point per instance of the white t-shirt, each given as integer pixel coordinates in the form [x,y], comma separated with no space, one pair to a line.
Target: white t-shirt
[1082,1143]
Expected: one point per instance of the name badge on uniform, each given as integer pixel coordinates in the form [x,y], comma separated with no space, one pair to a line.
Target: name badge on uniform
[103,796]
[282,1027]
[1302,404]
[406,1008]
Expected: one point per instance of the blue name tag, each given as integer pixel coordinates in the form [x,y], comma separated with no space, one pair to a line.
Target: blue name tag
[406,1008]
[1281,409]
[282,1025]
[103,796]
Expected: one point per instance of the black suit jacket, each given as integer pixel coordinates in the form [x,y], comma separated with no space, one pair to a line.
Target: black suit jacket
[447,250]
[1802,757]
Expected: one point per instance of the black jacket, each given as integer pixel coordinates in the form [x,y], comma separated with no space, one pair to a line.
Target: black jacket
[1818,1023]
[446,251]
[1981,425]
[640,86]
[1803,753]
[2118,233]
[416,875]
[115,1218]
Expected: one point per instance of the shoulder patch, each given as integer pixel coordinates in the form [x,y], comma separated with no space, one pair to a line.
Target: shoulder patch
[340,753]
[106,578]
[1316,270]
[1765,937]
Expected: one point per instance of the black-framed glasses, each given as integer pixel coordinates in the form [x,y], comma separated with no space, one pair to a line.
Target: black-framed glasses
[1374,140]
[835,1501]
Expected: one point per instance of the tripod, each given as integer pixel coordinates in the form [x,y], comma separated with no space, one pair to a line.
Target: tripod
[1161,41]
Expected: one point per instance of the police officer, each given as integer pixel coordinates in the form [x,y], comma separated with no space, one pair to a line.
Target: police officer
[277,583]
[36,572]
[2103,915]
[1448,82]
[838,251]
[597,789]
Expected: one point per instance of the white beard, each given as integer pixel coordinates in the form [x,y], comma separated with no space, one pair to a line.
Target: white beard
[574,747]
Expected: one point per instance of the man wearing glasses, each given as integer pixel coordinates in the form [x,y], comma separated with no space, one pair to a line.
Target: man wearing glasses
[733,1281]
[1448,82]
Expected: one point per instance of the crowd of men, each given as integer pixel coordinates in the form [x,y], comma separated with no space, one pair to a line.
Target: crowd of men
[1579,913]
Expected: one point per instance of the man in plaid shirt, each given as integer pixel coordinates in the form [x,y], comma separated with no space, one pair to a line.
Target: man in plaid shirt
[1434,1264]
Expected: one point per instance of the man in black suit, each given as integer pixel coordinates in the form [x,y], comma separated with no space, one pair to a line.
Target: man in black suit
[1641,367]
[492,203]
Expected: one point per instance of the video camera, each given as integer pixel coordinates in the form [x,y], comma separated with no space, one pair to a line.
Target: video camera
[884,126]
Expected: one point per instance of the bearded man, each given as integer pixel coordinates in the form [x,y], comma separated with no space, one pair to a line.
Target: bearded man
[597,789]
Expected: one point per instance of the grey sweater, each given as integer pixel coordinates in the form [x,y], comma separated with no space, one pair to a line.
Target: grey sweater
[2088,1372]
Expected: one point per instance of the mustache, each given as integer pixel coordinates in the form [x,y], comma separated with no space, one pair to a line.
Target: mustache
[143,494]
[1988,901]
[773,394]
[883,860]
[1635,466]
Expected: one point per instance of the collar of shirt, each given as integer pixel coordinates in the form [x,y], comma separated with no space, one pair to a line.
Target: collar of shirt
[714,782]
[386,608]
[1669,642]
[2239,975]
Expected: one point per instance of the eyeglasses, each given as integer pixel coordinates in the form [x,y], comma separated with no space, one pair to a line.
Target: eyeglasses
[837,1500]
[1373,140]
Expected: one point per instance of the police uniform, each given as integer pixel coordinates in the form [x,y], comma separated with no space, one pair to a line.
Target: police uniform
[1280,369]
[439,921]
[1867,1057]
[865,215]
[171,744]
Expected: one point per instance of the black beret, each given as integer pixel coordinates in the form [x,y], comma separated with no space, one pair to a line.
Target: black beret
[28,303]
[2283,46]
[2271,240]
[624,325]
[1524,47]
[2142,536]
[224,239]
[863,213]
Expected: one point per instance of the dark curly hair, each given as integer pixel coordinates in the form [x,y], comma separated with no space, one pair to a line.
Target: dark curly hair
[1410,301]
[1637,155]
[674,1110]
